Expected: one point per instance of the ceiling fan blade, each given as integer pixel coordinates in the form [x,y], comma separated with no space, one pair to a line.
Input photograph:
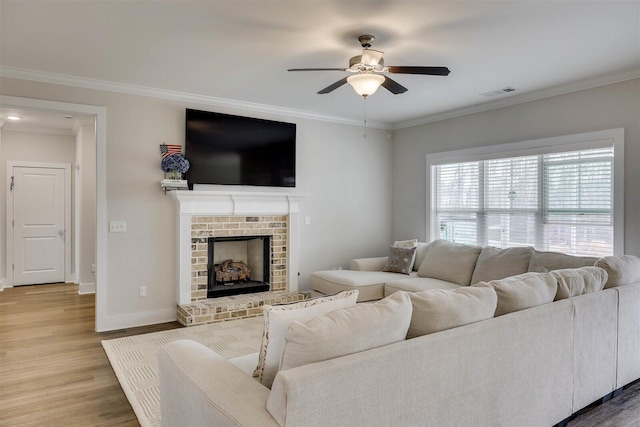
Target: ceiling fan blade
[333,87]
[431,71]
[317,69]
[393,86]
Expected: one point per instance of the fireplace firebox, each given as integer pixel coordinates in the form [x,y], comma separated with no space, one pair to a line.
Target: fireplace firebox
[238,265]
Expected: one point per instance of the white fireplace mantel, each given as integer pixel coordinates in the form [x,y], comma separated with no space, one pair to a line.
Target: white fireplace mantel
[222,203]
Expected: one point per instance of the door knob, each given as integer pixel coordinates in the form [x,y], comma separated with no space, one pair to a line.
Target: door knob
[60,232]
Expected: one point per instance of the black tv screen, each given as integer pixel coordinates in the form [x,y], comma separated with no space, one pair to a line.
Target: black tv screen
[234,150]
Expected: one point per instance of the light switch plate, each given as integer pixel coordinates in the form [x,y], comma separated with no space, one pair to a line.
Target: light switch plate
[117,226]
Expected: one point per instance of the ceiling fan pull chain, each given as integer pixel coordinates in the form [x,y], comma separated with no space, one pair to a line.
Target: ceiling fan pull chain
[365,118]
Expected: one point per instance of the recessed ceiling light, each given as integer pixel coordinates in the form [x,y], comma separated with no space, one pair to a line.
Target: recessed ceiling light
[68,116]
[13,117]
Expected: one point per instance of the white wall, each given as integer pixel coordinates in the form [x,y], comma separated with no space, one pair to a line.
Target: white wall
[347,178]
[30,147]
[607,107]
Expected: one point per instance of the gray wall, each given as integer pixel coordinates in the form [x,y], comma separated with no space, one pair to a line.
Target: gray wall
[606,107]
[347,180]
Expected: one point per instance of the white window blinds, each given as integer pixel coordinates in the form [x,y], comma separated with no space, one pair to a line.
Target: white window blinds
[559,202]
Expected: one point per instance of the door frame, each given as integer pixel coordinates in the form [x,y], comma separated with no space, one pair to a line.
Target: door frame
[102,316]
[68,277]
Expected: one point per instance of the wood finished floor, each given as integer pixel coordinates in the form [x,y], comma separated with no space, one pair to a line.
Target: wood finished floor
[54,372]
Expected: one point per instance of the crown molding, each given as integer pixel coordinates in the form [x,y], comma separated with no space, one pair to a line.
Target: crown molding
[37,129]
[603,80]
[61,79]
[86,83]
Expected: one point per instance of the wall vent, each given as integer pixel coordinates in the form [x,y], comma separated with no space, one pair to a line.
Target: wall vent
[498,92]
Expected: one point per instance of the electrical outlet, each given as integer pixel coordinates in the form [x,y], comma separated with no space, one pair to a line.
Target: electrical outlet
[93,268]
[307,220]
[117,226]
[142,291]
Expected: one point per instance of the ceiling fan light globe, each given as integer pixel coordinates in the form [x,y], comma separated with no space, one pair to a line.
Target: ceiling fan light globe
[365,84]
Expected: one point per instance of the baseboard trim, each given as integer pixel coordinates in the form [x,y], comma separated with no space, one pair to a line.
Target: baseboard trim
[86,288]
[132,320]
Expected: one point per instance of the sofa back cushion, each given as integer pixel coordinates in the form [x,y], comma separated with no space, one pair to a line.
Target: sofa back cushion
[439,309]
[495,263]
[579,281]
[542,262]
[622,270]
[350,330]
[453,262]
[523,291]
[277,319]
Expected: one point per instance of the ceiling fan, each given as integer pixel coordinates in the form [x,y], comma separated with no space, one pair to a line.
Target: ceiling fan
[368,71]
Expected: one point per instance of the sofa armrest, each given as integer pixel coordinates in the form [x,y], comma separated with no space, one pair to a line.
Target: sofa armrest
[368,264]
[200,387]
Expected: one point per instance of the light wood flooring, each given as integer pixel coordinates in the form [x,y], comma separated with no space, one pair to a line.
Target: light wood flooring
[54,372]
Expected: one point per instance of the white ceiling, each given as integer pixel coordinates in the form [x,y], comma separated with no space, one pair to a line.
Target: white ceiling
[240,50]
[43,121]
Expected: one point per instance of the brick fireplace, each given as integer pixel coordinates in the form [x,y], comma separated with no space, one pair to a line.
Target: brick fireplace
[207,230]
[205,214]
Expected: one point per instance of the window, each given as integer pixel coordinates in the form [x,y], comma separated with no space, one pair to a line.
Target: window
[552,197]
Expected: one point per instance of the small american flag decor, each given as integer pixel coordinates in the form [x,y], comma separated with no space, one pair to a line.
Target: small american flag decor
[169,149]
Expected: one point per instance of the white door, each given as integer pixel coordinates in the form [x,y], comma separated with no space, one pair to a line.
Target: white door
[38,225]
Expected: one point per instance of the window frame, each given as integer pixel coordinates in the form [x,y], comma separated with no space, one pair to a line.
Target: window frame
[575,142]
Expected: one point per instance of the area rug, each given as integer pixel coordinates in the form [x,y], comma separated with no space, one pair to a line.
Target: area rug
[135,359]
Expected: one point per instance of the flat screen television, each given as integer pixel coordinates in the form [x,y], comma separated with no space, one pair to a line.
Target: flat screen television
[234,150]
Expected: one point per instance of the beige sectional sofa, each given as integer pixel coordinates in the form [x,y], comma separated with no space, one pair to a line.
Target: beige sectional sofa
[441,265]
[537,364]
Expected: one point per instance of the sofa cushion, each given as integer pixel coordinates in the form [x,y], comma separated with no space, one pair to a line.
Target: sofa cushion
[622,270]
[440,309]
[400,260]
[277,319]
[579,281]
[417,284]
[523,291]
[370,284]
[495,263]
[347,331]
[453,262]
[421,252]
[542,262]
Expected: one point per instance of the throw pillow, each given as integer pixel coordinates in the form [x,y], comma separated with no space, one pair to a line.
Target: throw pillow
[495,263]
[439,309]
[413,243]
[400,260]
[523,291]
[622,270]
[579,281]
[421,252]
[277,319]
[452,262]
[347,331]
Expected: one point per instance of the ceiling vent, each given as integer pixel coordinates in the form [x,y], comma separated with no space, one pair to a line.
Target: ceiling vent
[499,92]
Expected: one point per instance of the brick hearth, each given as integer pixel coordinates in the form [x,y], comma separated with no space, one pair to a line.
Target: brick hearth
[232,307]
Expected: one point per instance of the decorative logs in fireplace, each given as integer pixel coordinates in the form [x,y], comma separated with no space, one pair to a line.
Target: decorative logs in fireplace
[230,271]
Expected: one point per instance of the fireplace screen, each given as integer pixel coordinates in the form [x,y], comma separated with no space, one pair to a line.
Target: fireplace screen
[238,265]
